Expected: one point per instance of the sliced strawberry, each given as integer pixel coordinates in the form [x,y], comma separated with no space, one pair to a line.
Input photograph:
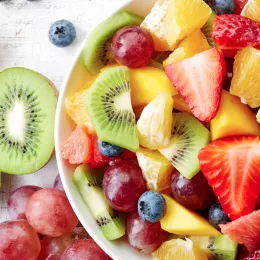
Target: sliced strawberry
[232,167]
[128,155]
[245,230]
[240,5]
[199,80]
[233,32]
[97,159]
[77,148]
[245,255]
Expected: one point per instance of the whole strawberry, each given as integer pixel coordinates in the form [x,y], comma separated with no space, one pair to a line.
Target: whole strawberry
[233,32]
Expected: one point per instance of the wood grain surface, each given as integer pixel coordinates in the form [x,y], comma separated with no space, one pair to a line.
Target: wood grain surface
[24,42]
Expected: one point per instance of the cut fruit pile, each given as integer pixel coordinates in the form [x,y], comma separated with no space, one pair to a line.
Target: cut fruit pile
[167,138]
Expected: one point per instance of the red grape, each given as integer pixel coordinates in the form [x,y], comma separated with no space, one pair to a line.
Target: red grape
[143,235]
[132,46]
[48,211]
[18,240]
[85,249]
[57,183]
[53,247]
[194,194]
[18,200]
[123,184]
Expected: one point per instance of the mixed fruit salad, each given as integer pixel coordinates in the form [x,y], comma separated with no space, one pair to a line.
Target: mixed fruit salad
[167,141]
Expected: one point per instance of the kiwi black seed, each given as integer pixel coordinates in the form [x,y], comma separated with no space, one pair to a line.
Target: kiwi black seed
[188,137]
[88,183]
[27,113]
[97,52]
[109,105]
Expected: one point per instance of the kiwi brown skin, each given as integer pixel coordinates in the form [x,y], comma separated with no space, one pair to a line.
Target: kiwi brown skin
[56,91]
[56,94]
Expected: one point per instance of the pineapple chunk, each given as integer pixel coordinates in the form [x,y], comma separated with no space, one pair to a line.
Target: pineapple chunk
[157,170]
[154,24]
[155,124]
[183,17]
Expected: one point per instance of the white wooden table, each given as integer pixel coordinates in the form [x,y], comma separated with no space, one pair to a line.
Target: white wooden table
[24,42]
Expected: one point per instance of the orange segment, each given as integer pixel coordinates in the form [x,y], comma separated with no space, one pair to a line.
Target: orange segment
[154,24]
[179,249]
[194,43]
[246,77]
[157,171]
[76,108]
[183,17]
[252,10]
[77,148]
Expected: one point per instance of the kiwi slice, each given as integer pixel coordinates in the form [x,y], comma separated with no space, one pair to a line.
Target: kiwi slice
[97,52]
[88,182]
[27,113]
[109,105]
[188,137]
[207,29]
[216,248]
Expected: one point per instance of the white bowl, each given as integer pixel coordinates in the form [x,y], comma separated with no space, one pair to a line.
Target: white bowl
[77,75]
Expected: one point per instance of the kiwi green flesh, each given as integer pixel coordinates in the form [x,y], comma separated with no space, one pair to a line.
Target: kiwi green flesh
[109,106]
[188,137]
[207,29]
[27,113]
[88,182]
[216,248]
[97,49]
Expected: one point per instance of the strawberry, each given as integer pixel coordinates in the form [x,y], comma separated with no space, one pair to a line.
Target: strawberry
[245,255]
[232,167]
[245,230]
[233,32]
[240,5]
[199,80]
[98,160]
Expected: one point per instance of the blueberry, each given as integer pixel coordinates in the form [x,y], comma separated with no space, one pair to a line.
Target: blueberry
[109,150]
[217,216]
[223,6]
[62,33]
[151,206]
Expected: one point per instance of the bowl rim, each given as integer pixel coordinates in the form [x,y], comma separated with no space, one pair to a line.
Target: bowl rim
[58,127]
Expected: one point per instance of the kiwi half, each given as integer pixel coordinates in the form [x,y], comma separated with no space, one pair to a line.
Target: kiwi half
[207,29]
[88,183]
[27,113]
[216,248]
[188,137]
[109,105]
[97,52]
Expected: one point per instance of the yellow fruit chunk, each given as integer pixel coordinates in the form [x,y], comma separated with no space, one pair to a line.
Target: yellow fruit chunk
[146,83]
[180,104]
[194,43]
[252,10]
[157,171]
[183,17]
[233,118]
[154,24]
[155,124]
[76,108]
[181,221]
[179,249]
[246,77]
